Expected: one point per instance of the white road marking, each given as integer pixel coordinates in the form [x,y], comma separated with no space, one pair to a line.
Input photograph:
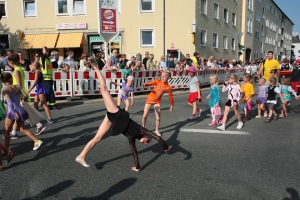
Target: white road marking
[216,131]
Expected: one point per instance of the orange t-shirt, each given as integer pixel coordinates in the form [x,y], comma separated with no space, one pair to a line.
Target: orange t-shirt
[159,89]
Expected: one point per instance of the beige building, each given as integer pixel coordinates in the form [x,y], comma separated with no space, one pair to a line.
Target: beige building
[265,28]
[144,25]
[218,24]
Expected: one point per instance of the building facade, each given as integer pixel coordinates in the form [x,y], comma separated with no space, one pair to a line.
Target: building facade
[218,25]
[265,28]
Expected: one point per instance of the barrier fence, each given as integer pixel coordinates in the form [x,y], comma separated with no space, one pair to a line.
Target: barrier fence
[85,83]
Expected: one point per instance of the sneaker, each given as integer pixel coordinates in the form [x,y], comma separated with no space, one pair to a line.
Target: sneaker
[240,125]
[222,128]
[50,121]
[191,118]
[12,136]
[37,145]
[40,130]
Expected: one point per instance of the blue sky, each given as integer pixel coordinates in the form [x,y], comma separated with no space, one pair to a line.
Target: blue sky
[292,9]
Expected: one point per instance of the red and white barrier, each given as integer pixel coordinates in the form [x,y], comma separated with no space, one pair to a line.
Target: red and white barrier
[82,83]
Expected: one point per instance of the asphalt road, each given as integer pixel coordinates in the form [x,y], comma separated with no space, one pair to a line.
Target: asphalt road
[261,161]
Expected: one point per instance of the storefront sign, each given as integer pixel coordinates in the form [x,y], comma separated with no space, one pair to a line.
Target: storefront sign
[71,26]
[108,20]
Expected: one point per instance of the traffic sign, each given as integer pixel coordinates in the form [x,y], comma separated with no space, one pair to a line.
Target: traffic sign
[108,26]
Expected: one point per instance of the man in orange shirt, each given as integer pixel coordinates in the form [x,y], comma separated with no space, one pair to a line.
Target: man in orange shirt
[154,98]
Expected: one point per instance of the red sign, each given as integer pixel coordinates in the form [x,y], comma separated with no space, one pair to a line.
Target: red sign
[108,20]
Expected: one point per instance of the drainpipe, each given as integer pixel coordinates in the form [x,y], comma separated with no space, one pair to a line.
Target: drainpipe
[164,27]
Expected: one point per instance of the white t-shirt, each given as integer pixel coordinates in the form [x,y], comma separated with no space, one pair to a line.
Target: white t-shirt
[248,67]
[254,68]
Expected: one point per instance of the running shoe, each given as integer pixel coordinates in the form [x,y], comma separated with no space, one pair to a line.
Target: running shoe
[40,130]
[50,121]
[240,125]
[37,145]
[12,136]
[10,156]
[222,128]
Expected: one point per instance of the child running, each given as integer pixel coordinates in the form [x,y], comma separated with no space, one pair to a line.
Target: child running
[247,91]
[273,90]
[262,98]
[40,93]
[214,98]
[285,92]
[119,122]
[195,94]
[234,95]
[15,112]
[126,91]
[154,98]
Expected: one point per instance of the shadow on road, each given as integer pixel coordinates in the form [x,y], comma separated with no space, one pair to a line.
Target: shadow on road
[52,190]
[113,190]
[293,193]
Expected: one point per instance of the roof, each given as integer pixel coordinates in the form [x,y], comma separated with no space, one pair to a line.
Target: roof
[282,11]
[296,39]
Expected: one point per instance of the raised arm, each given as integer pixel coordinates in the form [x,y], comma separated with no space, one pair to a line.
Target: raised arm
[150,83]
[225,87]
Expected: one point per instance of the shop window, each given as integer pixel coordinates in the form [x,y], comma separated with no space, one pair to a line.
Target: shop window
[4,42]
[70,7]
[147,37]
[147,5]
[3,8]
[29,8]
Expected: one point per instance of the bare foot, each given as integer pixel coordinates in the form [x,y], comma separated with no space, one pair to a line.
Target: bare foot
[168,149]
[135,169]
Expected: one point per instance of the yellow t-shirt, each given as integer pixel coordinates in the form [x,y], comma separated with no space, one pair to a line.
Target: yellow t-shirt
[247,89]
[270,65]
[195,62]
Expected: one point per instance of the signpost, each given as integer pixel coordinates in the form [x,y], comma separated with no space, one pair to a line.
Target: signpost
[108,27]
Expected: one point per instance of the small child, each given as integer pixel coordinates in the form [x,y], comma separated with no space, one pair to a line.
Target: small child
[262,98]
[214,98]
[86,66]
[195,93]
[126,90]
[273,73]
[285,90]
[179,66]
[273,90]
[234,95]
[247,91]
[162,63]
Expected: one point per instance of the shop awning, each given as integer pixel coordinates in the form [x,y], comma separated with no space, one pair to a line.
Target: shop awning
[69,40]
[37,41]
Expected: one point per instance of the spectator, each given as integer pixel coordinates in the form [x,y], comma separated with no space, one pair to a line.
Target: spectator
[3,55]
[145,60]
[196,60]
[170,63]
[55,62]
[36,57]
[84,57]
[204,65]
[114,58]
[101,60]
[86,66]
[286,65]
[3,45]
[70,60]
[210,62]
[151,65]
[162,65]
[24,63]
[5,64]
[65,67]
[109,66]
[133,64]
[188,60]
[179,66]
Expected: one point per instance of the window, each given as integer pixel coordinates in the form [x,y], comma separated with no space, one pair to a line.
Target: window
[215,40]
[147,37]
[234,19]
[203,7]
[202,38]
[233,43]
[225,15]
[216,11]
[71,7]
[250,5]
[224,42]
[257,35]
[29,8]
[259,1]
[147,5]
[3,8]
[256,54]
[249,25]
[257,16]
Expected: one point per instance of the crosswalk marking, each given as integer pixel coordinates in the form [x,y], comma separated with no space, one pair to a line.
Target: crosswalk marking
[215,131]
